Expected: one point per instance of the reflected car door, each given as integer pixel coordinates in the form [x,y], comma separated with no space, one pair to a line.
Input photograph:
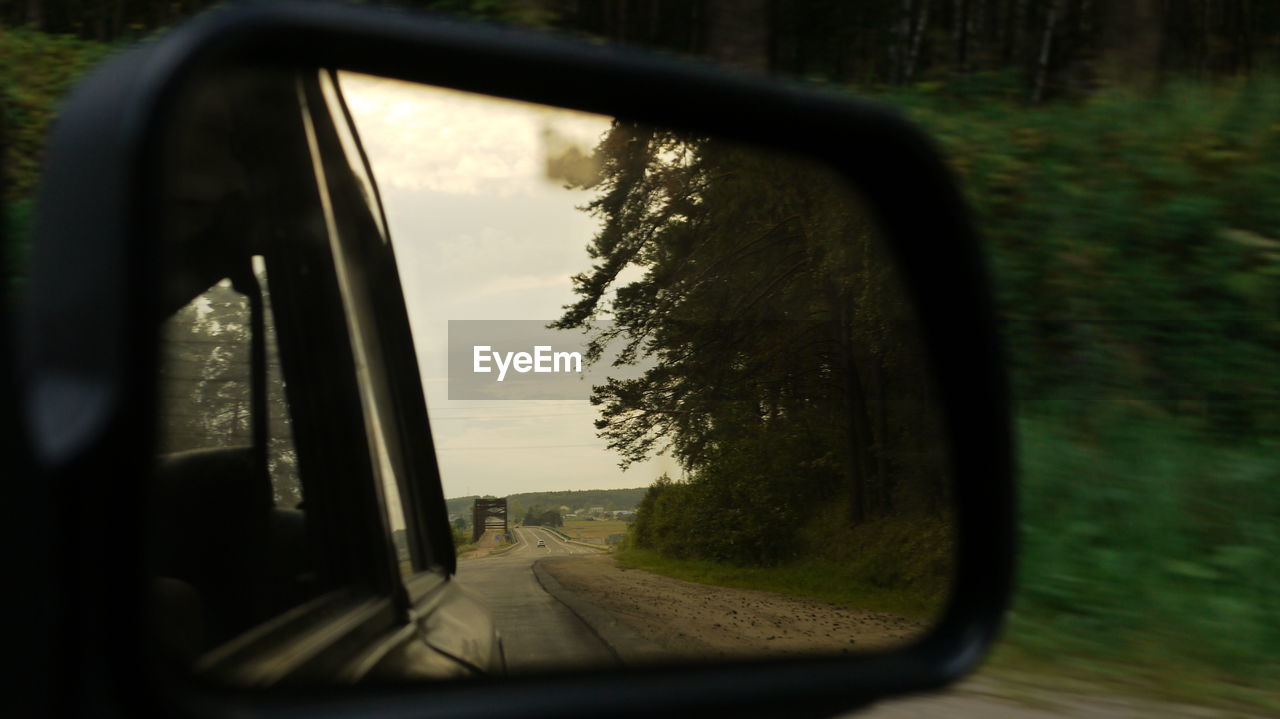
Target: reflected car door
[437,613]
[298,531]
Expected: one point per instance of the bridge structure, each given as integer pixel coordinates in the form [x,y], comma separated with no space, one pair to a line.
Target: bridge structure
[488,512]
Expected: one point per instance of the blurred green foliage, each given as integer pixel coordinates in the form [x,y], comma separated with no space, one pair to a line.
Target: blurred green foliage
[461,540]
[38,69]
[1135,242]
[1148,551]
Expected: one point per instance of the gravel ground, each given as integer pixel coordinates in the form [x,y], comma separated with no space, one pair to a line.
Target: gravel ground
[700,620]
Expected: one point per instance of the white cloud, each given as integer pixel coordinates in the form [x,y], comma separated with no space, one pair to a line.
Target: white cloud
[481,233]
[460,143]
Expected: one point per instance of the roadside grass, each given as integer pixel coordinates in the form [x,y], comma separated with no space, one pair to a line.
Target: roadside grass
[1024,677]
[1150,557]
[820,579]
[461,541]
[485,549]
[594,530]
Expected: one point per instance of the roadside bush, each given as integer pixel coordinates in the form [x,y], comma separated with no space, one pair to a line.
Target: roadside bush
[38,69]
[743,507]
[461,540]
[1135,241]
[1136,247]
[1149,540]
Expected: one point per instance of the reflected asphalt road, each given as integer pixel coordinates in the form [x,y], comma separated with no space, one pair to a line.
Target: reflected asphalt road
[538,632]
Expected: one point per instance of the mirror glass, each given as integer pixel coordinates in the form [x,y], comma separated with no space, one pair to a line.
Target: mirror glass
[678,403]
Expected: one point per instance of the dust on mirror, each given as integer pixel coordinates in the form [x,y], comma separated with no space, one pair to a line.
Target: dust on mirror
[679,404]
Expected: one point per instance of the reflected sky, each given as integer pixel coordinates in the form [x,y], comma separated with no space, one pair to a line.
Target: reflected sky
[481,232]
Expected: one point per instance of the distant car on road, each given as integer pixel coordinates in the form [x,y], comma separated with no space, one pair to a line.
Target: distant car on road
[542,542]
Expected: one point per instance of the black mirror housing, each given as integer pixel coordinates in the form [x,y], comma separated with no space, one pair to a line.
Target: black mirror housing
[87,346]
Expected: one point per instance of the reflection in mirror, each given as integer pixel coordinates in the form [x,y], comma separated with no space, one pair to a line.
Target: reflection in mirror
[751,460]
[678,402]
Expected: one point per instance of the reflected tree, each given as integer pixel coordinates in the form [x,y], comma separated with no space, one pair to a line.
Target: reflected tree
[785,368]
[206,384]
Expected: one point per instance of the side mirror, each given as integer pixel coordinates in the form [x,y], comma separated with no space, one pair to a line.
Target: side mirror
[243,278]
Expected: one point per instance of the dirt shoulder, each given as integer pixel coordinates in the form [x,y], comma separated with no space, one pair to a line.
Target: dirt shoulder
[646,616]
[489,542]
[703,621]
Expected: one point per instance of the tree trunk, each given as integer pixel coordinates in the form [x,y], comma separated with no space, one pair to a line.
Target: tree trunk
[960,34]
[1134,33]
[1017,33]
[900,71]
[738,33]
[1206,39]
[882,438]
[860,468]
[922,26]
[117,19]
[1046,45]
[975,11]
[35,14]
[1244,37]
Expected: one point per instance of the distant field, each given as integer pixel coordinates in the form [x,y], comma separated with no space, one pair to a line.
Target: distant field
[594,531]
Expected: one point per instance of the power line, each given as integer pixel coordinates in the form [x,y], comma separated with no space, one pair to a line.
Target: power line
[522,446]
[488,404]
[507,416]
